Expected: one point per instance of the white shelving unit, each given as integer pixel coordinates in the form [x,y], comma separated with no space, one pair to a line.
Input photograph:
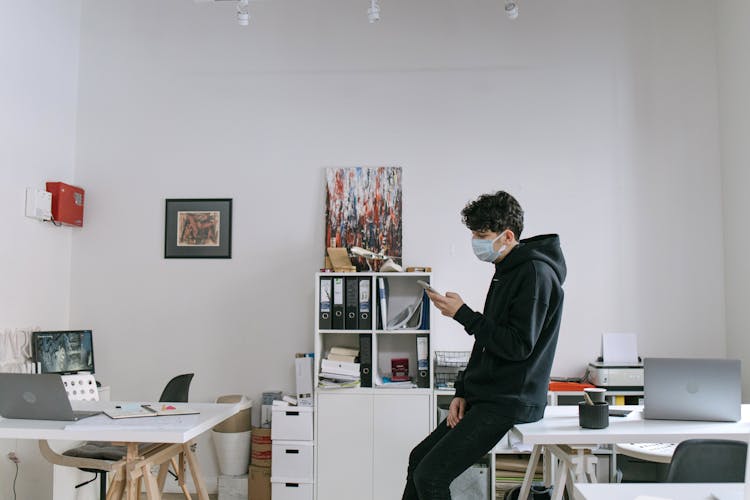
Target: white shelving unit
[364,434]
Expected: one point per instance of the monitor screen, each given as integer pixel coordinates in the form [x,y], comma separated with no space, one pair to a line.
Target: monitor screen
[69,351]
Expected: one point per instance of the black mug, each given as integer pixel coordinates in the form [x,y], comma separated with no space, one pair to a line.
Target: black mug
[594,416]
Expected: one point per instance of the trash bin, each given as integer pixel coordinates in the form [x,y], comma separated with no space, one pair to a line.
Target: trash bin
[232,438]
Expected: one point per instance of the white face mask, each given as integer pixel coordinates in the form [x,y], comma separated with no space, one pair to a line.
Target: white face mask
[485,249]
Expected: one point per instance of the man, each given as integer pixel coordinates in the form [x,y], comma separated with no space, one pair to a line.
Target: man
[506,379]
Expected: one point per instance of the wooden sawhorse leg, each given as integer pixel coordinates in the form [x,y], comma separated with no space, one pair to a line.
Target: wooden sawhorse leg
[528,478]
[116,485]
[195,471]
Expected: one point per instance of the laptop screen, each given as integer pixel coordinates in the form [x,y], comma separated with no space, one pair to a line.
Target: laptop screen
[68,351]
[692,389]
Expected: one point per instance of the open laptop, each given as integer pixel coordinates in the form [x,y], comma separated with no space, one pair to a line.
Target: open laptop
[692,389]
[36,397]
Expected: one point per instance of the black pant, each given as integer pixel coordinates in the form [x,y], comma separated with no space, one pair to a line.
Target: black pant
[446,453]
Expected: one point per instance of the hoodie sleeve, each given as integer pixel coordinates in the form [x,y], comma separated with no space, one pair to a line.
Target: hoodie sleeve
[459,384]
[514,336]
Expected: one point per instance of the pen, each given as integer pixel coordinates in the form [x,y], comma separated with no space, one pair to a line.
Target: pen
[148,407]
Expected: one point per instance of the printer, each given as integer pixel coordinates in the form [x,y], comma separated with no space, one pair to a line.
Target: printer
[623,376]
[619,366]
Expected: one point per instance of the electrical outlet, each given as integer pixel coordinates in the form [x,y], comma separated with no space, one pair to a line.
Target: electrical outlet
[13,457]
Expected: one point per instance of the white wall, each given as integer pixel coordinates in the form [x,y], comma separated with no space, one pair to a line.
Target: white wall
[601,116]
[734,81]
[39,45]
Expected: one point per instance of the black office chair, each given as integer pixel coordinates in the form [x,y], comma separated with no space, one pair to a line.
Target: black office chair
[708,461]
[176,391]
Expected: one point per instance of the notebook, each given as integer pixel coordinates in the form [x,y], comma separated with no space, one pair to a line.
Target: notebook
[135,410]
[36,397]
[692,389]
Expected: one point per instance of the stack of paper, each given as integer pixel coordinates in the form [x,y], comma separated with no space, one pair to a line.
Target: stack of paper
[405,384]
[343,354]
[340,367]
[339,370]
[509,472]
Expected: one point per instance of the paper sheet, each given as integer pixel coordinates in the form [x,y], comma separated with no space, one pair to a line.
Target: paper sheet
[620,348]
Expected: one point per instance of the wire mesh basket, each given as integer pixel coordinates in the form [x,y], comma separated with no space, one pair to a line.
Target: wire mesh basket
[447,366]
[452,358]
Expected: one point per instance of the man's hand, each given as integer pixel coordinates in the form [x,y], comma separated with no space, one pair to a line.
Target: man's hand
[456,411]
[448,303]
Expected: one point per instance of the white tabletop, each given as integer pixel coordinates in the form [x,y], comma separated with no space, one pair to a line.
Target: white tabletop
[560,426]
[659,491]
[170,429]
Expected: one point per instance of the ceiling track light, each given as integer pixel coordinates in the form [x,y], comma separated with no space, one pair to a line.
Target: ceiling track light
[373,13]
[511,9]
[243,14]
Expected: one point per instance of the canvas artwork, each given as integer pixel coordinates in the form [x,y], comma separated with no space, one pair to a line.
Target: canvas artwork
[364,209]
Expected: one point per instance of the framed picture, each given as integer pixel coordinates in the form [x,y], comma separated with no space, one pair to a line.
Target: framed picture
[198,229]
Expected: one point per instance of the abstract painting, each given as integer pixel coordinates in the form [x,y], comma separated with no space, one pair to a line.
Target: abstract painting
[364,209]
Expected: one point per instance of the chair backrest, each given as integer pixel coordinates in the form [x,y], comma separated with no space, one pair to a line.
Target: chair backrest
[177,389]
[80,387]
[708,461]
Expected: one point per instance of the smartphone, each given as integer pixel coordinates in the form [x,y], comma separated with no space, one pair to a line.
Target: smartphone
[427,286]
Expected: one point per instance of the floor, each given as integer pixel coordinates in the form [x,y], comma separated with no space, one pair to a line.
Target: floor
[178,496]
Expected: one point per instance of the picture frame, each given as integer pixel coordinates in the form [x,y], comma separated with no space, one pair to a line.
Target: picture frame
[198,228]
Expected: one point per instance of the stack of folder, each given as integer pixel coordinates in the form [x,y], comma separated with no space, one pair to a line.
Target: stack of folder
[345,303]
[341,368]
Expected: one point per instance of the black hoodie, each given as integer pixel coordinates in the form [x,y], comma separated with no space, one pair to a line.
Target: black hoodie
[516,336]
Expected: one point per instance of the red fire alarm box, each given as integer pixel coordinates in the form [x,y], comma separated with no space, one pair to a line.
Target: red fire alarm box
[67,203]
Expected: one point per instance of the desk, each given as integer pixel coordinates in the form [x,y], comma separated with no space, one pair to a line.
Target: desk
[174,433]
[676,491]
[559,427]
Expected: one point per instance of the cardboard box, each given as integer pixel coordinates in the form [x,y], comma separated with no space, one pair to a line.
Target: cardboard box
[259,483]
[260,447]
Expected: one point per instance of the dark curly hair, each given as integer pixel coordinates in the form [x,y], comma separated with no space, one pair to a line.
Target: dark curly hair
[494,212]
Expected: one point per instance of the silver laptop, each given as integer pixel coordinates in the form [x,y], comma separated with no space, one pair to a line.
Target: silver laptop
[36,397]
[692,389]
